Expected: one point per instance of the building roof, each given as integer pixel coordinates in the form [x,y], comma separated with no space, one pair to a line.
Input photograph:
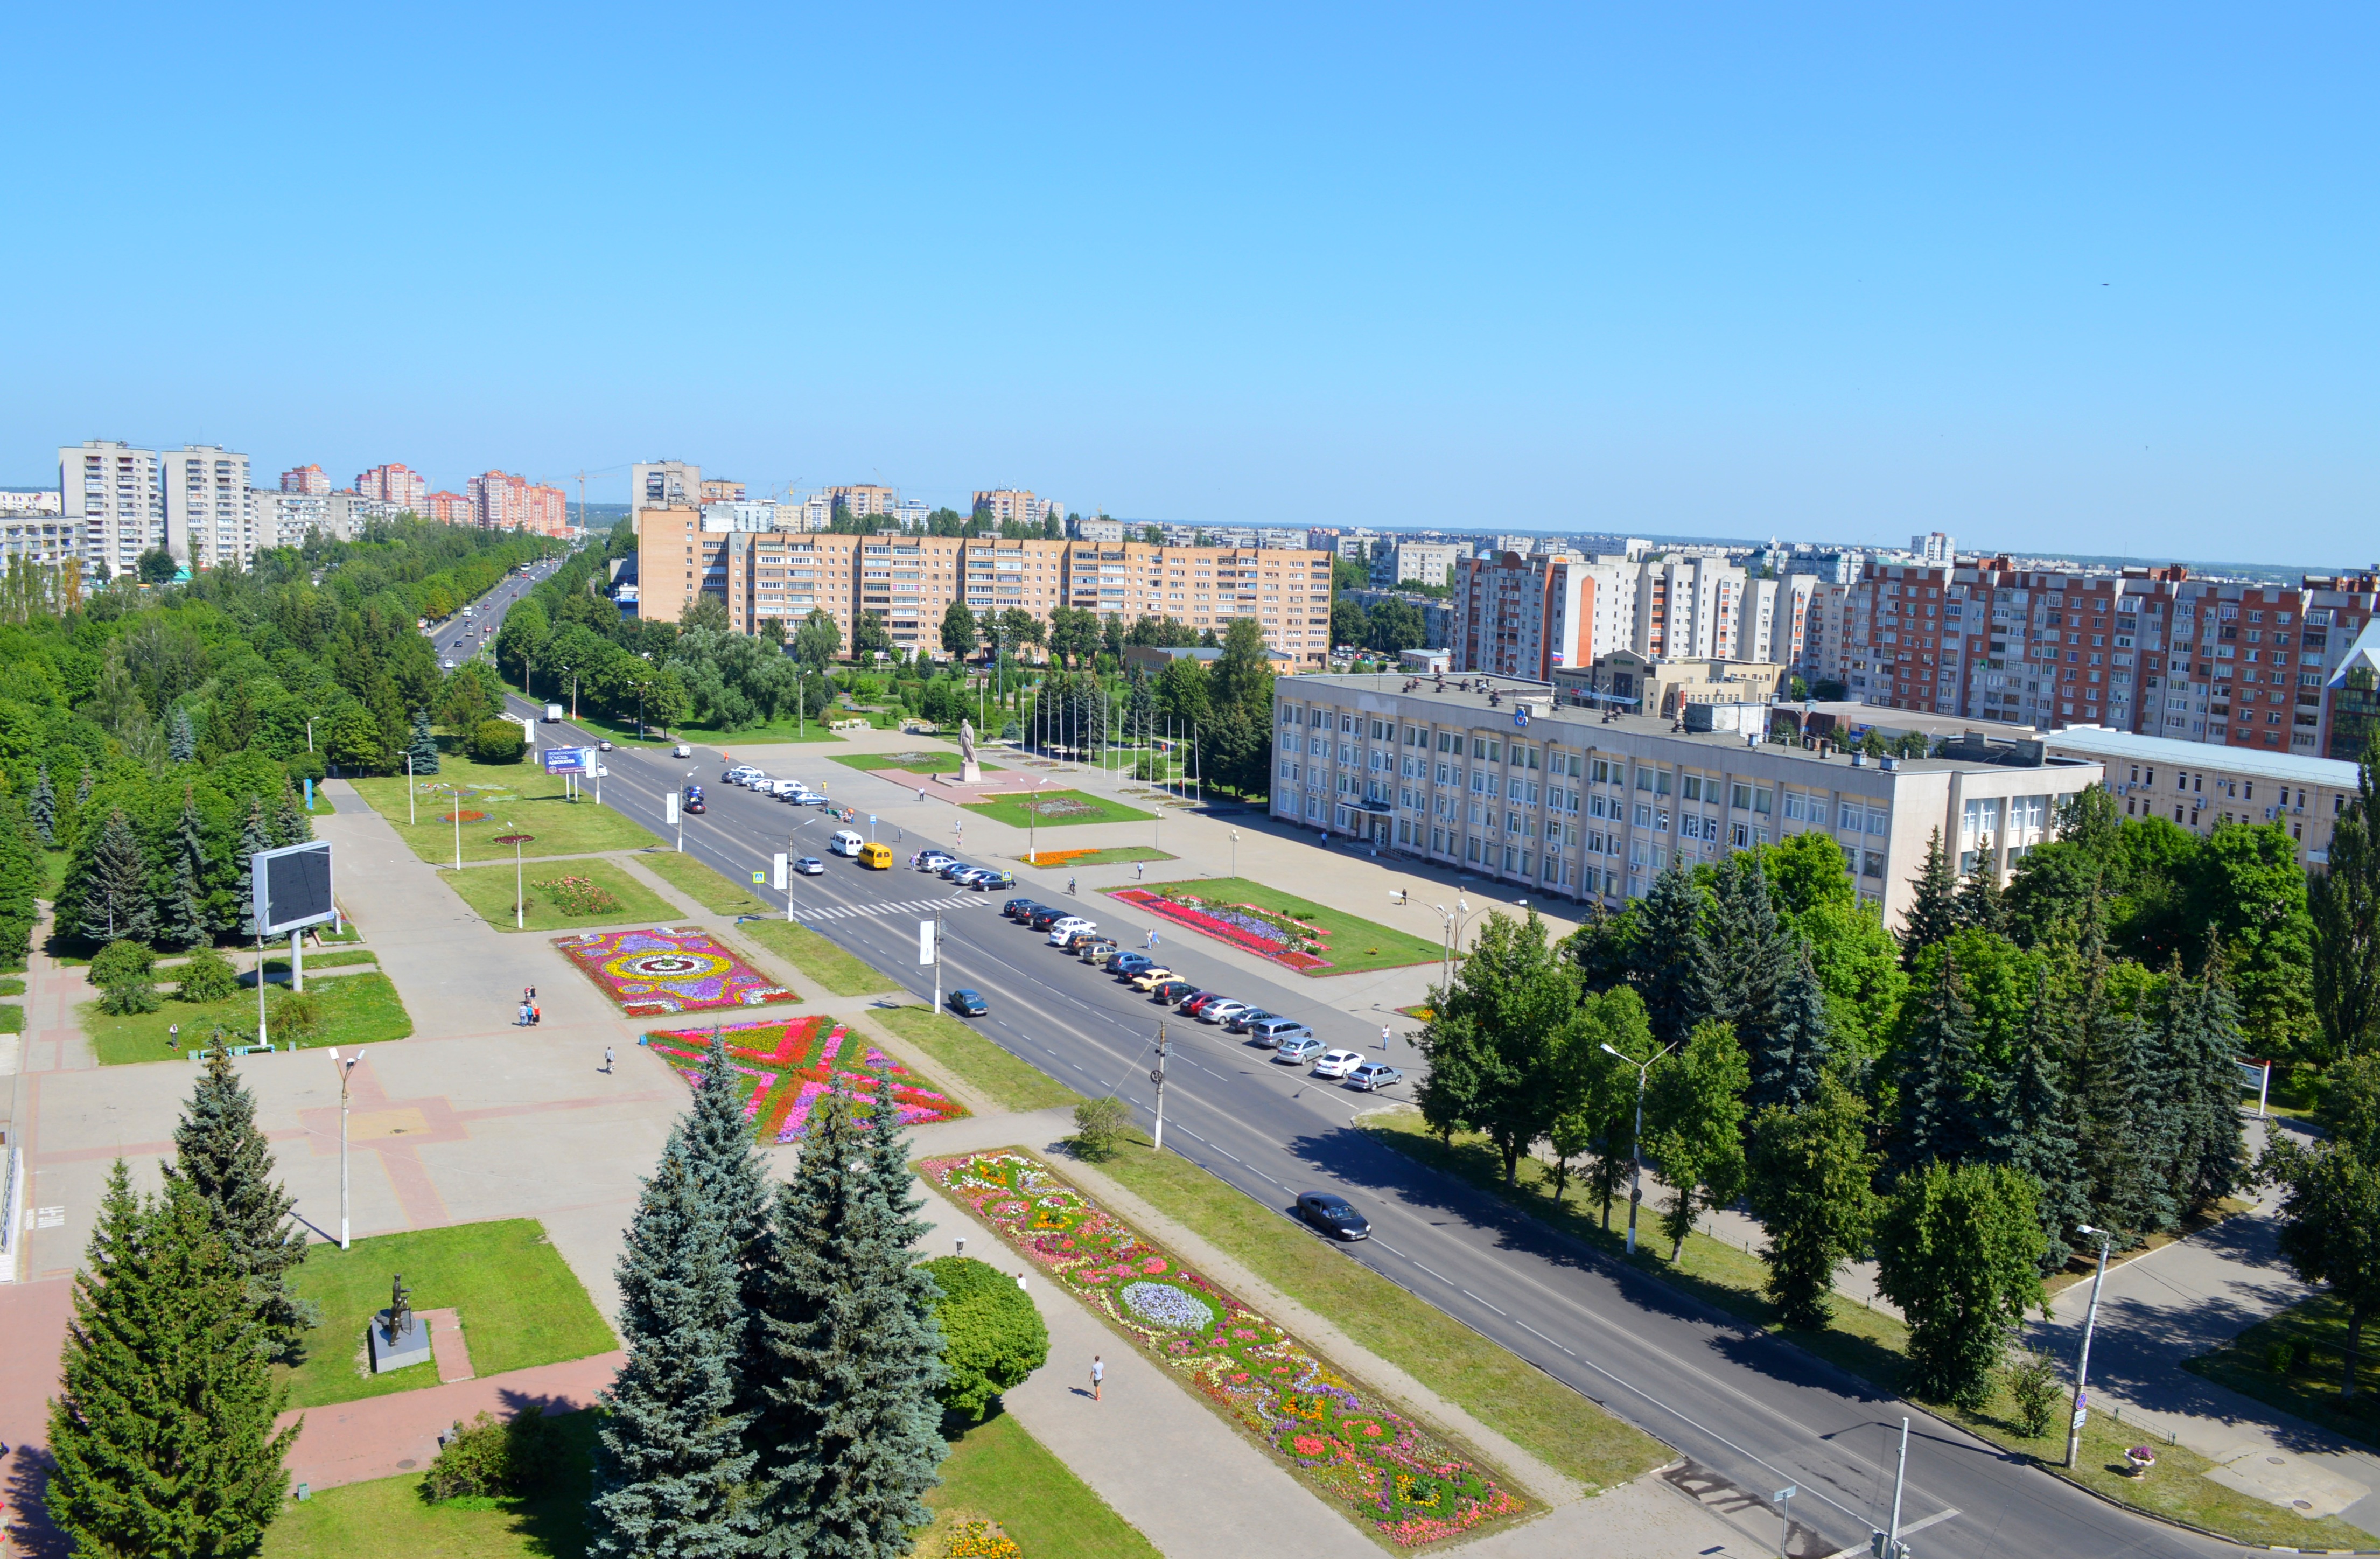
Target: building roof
[1888,719]
[2110,745]
[2363,654]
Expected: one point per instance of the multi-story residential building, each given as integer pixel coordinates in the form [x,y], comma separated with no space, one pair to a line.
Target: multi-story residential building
[396,484]
[718,490]
[1016,503]
[1566,801]
[209,521]
[116,495]
[1689,606]
[1523,617]
[2202,788]
[1828,568]
[1637,684]
[284,517]
[913,513]
[2350,713]
[1096,530]
[1932,549]
[658,484]
[678,560]
[40,536]
[501,501]
[452,507]
[862,498]
[312,480]
[34,500]
[1437,615]
[741,513]
[1425,563]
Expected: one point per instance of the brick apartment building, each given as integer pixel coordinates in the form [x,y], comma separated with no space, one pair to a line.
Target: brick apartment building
[501,501]
[1531,614]
[312,481]
[396,484]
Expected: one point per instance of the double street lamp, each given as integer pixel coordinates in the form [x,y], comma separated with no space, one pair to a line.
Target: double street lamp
[1636,1141]
[2083,1365]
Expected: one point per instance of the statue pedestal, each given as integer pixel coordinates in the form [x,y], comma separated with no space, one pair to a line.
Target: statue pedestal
[396,1353]
[970,773]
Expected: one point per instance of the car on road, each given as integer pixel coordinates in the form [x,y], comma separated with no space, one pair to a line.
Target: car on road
[1338,1063]
[1293,1051]
[1149,977]
[876,857]
[966,1003]
[810,866]
[1240,1022]
[1198,999]
[812,799]
[1017,908]
[602,746]
[950,870]
[934,860]
[1271,1031]
[1065,926]
[1125,965]
[968,876]
[1171,991]
[1219,1011]
[1077,940]
[993,879]
[1096,951]
[692,801]
[1333,1215]
[445,665]
[681,751]
[1041,919]
[1374,1075]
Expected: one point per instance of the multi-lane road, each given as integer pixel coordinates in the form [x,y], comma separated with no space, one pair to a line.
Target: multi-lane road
[1754,1410]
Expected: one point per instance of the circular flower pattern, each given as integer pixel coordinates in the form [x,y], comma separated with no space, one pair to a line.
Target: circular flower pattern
[666,966]
[1166,1305]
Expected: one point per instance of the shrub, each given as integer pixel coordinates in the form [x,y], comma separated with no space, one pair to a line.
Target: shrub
[298,1019]
[1099,1124]
[487,1459]
[498,741]
[2033,1385]
[578,895]
[992,1338]
[2281,1357]
[208,976]
[12,1018]
[15,941]
[303,766]
[125,974]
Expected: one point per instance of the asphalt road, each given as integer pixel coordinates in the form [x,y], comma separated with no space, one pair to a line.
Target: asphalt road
[1757,1411]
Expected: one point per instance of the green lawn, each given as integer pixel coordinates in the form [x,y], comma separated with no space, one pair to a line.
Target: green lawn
[347,959]
[12,1018]
[963,1053]
[489,890]
[1057,809]
[518,1301]
[2307,1386]
[1115,854]
[1874,1346]
[1539,1413]
[12,987]
[924,761]
[357,1008]
[999,1472]
[390,1518]
[817,959]
[700,883]
[1351,944]
[517,798]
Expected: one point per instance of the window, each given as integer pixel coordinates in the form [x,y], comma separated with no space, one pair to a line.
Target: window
[1741,796]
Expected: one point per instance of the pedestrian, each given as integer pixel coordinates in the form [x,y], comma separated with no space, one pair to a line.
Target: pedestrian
[535,1016]
[607,1060]
[1384,1038]
[522,1021]
[1070,885]
[1152,940]
[1136,871]
[1099,1375]
[921,793]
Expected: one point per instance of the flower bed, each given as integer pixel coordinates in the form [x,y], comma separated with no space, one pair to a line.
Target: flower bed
[579,895]
[1346,1442]
[668,969]
[785,1066]
[1264,932]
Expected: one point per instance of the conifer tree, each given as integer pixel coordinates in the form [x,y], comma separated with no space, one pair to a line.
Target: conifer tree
[254,836]
[1755,972]
[1667,954]
[181,737]
[1981,904]
[1934,914]
[219,1151]
[290,824]
[2041,1131]
[82,789]
[672,1465]
[1946,1109]
[1789,1048]
[163,1432]
[424,746]
[115,886]
[2198,1046]
[2121,1112]
[182,912]
[44,806]
[851,1356]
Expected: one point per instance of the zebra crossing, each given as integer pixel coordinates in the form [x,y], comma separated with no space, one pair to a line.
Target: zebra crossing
[901,906]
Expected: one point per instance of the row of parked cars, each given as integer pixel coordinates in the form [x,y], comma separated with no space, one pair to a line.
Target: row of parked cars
[958,873]
[759,783]
[1291,1041]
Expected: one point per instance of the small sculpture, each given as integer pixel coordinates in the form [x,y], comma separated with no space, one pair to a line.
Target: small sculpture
[400,1308]
[970,772]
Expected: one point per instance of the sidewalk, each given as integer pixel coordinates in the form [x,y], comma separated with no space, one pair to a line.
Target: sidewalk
[381,1436]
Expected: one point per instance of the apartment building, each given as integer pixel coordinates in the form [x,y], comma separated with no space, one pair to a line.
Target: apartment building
[284,517]
[862,498]
[2350,698]
[210,520]
[1523,616]
[2149,649]
[116,495]
[396,484]
[660,485]
[2201,787]
[1424,563]
[501,501]
[312,480]
[39,536]
[453,508]
[1639,684]
[1436,614]
[1016,502]
[1934,549]
[718,490]
[1565,801]
[34,500]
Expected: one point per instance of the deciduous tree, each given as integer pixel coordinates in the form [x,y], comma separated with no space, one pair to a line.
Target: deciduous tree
[1810,1173]
[1958,1250]
[1693,1126]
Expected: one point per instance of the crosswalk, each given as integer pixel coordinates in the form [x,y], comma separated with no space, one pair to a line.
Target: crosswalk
[902,907]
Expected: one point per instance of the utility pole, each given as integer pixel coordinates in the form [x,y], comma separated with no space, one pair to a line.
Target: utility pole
[1636,1144]
[1156,1139]
[2083,1365]
[1899,1474]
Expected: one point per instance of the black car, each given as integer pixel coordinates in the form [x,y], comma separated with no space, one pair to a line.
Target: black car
[1017,908]
[1332,1215]
[966,1003]
[693,802]
[1042,918]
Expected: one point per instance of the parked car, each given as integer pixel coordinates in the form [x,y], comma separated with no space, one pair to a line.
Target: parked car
[1272,1030]
[1171,991]
[1196,999]
[991,879]
[1065,926]
[1240,1022]
[1217,1012]
[810,866]
[812,799]
[1077,940]
[966,1003]
[1128,963]
[1017,908]
[934,860]
[1041,919]
[1333,1215]
[950,870]
[1338,1063]
[737,774]
[1374,1075]
[1096,951]
[1296,1049]
[969,877]
[1150,976]
[692,801]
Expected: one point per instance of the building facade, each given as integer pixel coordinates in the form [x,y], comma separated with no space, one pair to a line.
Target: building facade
[718,490]
[312,480]
[1520,616]
[660,485]
[862,498]
[1572,803]
[396,484]
[1637,684]
[2202,788]
[501,501]
[210,520]
[36,500]
[453,508]
[1424,563]
[114,494]
[1017,504]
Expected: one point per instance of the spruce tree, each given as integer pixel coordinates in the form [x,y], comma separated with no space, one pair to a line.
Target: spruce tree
[44,806]
[1789,1050]
[226,1160]
[1753,972]
[2041,1131]
[2118,1130]
[2198,1046]
[424,746]
[290,824]
[181,737]
[181,909]
[1943,1116]
[254,836]
[1981,903]
[671,1465]
[82,789]
[115,886]
[851,1356]
[163,1429]
[1934,914]
[1667,954]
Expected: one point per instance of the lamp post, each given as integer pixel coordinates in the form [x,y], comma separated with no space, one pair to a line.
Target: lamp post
[2083,1365]
[520,910]
[1636,1141]
[346,1067]
[1451,928]
[456,791]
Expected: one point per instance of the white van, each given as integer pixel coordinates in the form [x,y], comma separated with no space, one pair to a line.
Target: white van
[845,843]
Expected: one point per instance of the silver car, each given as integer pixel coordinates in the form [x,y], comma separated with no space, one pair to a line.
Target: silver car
[1221,1012]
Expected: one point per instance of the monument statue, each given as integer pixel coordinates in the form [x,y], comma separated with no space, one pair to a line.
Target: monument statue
[400,1308]
[970,772]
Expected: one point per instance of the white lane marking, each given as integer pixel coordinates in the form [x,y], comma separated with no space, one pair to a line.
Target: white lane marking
[1448,1281]
[1468,1295]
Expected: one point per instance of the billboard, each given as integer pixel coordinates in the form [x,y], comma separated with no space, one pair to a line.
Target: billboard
[569,760]
[292,886]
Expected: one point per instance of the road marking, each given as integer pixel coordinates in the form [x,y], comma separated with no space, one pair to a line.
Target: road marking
[1468,1295]
[1448,1281]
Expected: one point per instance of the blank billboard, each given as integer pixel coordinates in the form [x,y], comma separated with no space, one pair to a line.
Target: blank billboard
[292,886]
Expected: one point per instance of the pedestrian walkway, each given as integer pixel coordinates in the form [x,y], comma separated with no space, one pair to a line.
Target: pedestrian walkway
[383,1436]
[903,907]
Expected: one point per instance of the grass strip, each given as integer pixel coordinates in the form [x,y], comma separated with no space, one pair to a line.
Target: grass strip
[12,1018]
[925,760]
[322,961]
[392,1518]
[1875,1346]
[489,890]
[963,1053]
[1350,944]
[2314,1330]
[700,883]
[999,1472]
[498,800]
[1056,809]
[1537,1412]
[12,987]
[817,959]
[519,1303]
[1115,854]
[357,1009]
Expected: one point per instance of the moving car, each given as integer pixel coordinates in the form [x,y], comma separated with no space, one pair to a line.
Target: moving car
[692,801]
[844,843]
[810,866]
[1272,1030]
[681,751]
[1333,1215]
[602,746]
[1374,1075]
[1293,1051]
[876,858]
[966,1003]
[1338,1063]
[1217,1012]
[1171,991]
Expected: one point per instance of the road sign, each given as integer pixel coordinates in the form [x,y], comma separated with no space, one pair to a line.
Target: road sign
[2081,1414]
[871,820]
[1781,1495]
[758,877]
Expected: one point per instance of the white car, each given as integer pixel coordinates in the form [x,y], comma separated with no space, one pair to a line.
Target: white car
[681,751]
[1338,1063]
[1062,929]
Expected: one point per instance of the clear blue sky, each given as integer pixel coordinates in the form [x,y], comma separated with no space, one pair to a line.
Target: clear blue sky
[2094,278]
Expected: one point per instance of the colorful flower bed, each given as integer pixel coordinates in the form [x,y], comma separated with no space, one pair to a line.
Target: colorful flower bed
[578,895]
[667,969]
[784,1068]
[978,1539]
[1351,1446]
[1265,932]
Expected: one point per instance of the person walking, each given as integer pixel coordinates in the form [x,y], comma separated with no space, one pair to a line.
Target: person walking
[521,1020]
[607,1060]
[535,1016]
[1099,1375]
[1384,1038]
[1070,885]
[1136,870]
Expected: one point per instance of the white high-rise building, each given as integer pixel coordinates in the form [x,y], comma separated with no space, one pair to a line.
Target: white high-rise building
[1934,549]
[210,517]
[111,490]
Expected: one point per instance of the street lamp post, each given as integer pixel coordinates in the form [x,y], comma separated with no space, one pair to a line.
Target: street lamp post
[520,908]
[1636,1142]
[1235,852]
[411,816]
[2083,1365]
[346,1067]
